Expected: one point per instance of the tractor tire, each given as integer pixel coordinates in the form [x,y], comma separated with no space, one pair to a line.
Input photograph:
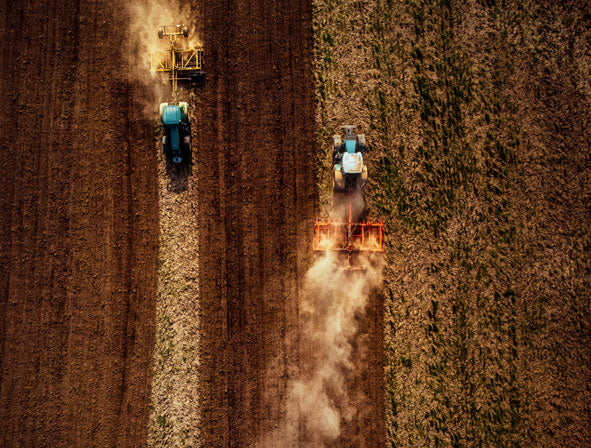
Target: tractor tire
[187,147]
[160,33]
[165,145]
[338,183]
[185,31]
[162,106]
[185,108]
[363,180]
[337,144]
[361,143]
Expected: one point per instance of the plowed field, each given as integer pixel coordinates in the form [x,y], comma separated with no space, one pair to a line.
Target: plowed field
[255,159]
[80,223]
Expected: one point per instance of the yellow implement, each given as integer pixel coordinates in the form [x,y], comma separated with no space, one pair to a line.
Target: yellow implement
[176,62]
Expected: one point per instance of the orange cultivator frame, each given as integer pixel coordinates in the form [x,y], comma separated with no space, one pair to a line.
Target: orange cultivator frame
[349,237]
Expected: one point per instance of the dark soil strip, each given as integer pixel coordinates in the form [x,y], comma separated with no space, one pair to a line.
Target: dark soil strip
[79,231]
[256,157]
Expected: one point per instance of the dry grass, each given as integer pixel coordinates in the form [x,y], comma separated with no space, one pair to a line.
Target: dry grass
[478,113]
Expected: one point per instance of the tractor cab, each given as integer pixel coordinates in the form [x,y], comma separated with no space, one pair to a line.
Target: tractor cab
[350,173]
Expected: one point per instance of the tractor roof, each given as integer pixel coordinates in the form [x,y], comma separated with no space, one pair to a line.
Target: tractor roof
[171,115]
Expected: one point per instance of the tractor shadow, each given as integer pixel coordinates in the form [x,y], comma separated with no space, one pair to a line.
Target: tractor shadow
[178,176]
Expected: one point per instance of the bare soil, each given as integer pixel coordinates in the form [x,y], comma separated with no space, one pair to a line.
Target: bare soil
[255,158]
[80,224]
[79,227]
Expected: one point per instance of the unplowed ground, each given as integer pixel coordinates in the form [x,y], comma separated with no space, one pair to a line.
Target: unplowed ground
[478,114]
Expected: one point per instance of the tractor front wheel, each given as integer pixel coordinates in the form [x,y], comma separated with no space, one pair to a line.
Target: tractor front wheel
[362,143]
[337,144]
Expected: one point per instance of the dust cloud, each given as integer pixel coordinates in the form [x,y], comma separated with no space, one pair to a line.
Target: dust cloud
[145,18]
[318,400]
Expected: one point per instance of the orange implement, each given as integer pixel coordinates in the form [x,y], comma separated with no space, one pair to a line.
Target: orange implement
[349,237]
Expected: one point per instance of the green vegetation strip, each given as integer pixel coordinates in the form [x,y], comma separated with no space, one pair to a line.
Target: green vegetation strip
[438,87]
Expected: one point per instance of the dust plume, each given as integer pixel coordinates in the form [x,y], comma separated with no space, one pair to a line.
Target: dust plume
[145,18]
[318,400]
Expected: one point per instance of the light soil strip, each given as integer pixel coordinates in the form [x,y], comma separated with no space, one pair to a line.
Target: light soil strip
[174,420]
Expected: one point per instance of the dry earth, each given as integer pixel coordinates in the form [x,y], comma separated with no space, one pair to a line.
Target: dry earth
[79,227]
[478,113]
[138,305]
[99,243]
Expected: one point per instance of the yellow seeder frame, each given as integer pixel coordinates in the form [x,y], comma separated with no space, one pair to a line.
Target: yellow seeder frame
[182,64]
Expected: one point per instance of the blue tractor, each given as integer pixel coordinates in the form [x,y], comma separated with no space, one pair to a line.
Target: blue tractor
[176,141]
[350,173]
[176,63]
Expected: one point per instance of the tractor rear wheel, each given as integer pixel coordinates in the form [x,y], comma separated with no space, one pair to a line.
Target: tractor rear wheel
[185,108]
[337,178]
[162,106]
[160,33]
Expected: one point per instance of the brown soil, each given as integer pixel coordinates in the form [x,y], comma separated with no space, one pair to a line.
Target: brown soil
[78,236]
[365,382]
[255,159]
[80,226]
[90,216]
